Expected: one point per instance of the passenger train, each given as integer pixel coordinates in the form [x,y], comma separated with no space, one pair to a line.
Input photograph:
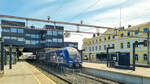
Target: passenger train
[64,57]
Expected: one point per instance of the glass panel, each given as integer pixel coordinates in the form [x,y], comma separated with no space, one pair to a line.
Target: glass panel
[6,37]
[20,39]
[27,41]
[59,40]
[54,39]
[28,35]
[6,30]
[14,38]
[49,32]
[20,30]
[13,30]
[60,33]
[55,33]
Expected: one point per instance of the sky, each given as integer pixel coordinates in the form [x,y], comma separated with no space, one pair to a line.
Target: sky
[95,12]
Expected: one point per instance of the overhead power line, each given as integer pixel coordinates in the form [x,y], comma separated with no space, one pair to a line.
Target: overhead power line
[86,9]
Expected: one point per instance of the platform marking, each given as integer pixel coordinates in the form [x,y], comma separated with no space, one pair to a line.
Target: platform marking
[42,73]
[36,78]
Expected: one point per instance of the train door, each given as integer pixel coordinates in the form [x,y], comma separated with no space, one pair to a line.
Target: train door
[124,59]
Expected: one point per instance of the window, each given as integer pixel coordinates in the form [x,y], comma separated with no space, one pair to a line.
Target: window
[93,41]
[145,56]
[14,38]
[28,35]
[96,48]
[113,46]
[136,32]
[113,36]
[136,45]
[136,57]
[121,45]
[54,39]
[104,47]
[128,34]
[6,30]
[108,37]
[20,39]
[27,41]
[93,48]
[54,33]
[33,42]
[34,36]
[99,40]
[108,45]
[89,48]
[6,37]
[49,32]
[59,40]
[121,35]
[60,33]
[49,40]
[145,30]
[99,47]
[13,30]
[20,30]
[128,45]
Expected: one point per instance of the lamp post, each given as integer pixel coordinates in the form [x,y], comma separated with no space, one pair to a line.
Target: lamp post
[2,56]
[10,54]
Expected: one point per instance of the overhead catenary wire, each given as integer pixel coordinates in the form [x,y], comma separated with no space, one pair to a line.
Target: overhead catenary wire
[59,7]
[86,9]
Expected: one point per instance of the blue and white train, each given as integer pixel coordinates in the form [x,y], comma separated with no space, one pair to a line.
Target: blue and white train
[65,57]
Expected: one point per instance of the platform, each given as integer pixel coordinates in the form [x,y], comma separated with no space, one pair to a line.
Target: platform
[140,71]
[24,73]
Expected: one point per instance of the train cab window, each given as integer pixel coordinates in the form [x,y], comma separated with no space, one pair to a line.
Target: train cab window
[73,53]
[145,56]
[136,57]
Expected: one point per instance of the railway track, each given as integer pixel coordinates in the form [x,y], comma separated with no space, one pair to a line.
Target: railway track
[74,77]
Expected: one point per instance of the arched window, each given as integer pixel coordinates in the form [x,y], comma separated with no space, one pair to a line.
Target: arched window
[145,56]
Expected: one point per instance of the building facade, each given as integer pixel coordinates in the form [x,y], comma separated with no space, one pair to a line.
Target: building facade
[122,41]
[32,38]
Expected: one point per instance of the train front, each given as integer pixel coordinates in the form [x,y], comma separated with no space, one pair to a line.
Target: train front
[74,58]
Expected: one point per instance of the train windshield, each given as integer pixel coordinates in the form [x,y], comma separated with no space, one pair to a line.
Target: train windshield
[73,53]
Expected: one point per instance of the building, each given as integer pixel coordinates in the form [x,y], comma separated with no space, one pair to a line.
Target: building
[32,39]
[122,41]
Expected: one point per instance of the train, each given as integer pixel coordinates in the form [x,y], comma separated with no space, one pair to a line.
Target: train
[65,57]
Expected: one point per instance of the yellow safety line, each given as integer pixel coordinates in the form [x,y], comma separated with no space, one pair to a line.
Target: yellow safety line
[43,74]
[36,78]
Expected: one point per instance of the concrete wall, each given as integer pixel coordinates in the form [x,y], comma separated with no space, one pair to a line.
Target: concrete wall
[130,79]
